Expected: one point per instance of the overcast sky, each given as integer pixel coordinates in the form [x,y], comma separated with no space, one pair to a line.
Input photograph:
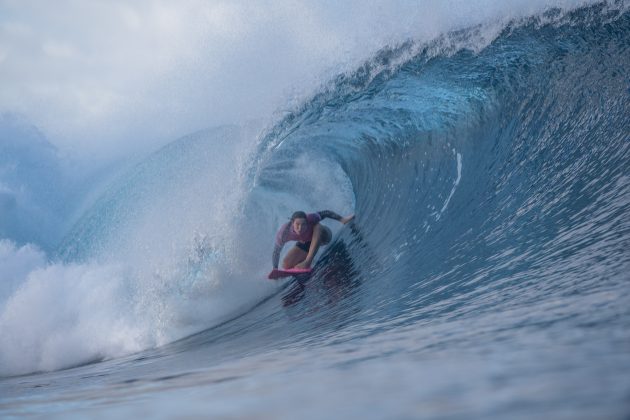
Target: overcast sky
[112,77]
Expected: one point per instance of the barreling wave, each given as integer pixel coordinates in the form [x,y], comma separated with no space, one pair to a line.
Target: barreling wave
[501,169]
[485,174]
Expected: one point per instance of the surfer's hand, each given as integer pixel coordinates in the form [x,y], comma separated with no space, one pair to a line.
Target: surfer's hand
[347,219]
[303,264]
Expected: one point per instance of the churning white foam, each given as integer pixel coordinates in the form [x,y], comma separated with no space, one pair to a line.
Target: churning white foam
[63,315]
[15,264]
[56,315]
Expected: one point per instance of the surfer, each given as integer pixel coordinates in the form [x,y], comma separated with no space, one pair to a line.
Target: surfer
[309,234]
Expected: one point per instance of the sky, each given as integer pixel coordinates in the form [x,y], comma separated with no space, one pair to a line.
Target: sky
[111,78]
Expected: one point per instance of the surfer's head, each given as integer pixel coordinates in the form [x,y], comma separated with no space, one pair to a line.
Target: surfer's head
[298,221]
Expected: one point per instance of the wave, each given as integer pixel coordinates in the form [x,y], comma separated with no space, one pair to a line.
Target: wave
[485,174]
[505,148]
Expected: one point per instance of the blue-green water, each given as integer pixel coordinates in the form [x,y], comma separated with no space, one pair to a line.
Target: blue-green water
[485,276]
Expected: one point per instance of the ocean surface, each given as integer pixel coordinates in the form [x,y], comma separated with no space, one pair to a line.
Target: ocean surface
[486,275]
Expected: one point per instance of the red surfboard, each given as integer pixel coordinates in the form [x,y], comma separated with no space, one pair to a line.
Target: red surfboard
[277,274]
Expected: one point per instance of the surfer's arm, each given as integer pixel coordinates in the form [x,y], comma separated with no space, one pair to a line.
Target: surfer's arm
[276,255]
[281,239]
[332,215]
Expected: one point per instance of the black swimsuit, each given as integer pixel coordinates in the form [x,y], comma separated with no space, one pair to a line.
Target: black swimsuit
[304,246]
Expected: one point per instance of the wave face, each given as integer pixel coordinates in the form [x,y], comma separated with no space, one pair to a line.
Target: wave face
[497,178]
[486,274]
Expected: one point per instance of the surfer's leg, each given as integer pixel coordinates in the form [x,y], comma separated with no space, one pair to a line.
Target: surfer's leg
[326,235]
[321,236]
[293,257]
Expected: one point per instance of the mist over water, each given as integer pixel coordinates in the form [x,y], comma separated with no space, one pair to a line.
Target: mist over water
[482,145]
[110,79]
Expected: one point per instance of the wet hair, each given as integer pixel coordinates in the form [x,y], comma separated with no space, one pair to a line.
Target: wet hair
[298,215]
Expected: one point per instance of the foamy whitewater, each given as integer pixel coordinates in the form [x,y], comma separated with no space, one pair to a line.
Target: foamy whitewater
[149,152]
